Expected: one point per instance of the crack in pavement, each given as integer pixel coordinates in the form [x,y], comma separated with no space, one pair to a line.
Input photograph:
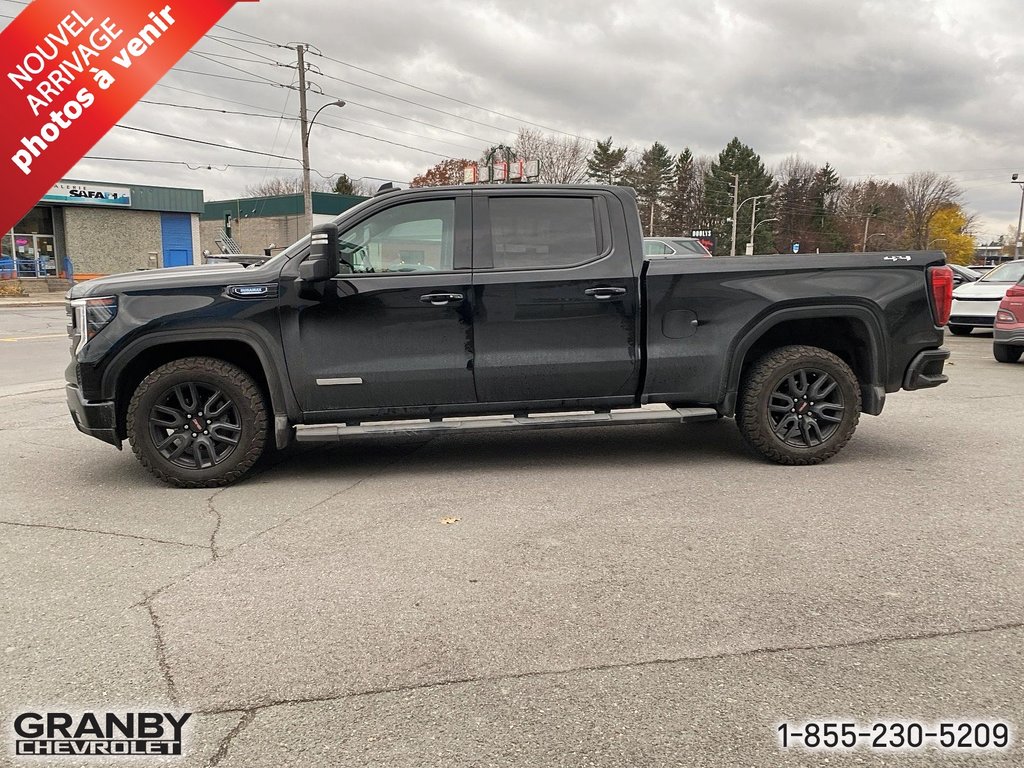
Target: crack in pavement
[211,508]
[303,511]
[754,652]
[147,602]
[72,529]
[225,744]
[161,655]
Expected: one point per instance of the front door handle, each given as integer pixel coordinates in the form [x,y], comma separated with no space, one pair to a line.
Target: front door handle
[440,299]
[605,292]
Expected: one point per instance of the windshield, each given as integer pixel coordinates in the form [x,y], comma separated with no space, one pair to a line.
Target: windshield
[1011,272]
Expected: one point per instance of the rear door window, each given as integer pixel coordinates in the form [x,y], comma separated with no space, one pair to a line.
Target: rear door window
[544,232]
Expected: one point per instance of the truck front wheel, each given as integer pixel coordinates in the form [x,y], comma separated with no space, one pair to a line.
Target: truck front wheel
[798,405]
[198,422]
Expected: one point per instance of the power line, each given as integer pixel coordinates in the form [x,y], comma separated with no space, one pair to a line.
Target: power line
[294,120]
[454,99]
[207,143]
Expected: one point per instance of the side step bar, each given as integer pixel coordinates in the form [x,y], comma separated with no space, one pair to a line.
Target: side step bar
[334,432]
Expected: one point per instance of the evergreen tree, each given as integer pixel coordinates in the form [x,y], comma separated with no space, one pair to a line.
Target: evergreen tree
[683,201]
[651,177]
[344,185]
[825,192]
[739,159]
[606,164]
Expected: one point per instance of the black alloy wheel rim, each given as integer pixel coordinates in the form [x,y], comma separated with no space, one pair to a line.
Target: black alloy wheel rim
[195,425]
[806,408]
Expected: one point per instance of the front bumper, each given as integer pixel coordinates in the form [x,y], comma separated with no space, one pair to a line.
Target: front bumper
[96,419]
[925,370]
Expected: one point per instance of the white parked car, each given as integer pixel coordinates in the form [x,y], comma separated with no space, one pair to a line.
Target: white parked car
[975,304]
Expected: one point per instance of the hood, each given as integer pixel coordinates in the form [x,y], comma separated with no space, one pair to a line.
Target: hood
[156,279]
[981,290]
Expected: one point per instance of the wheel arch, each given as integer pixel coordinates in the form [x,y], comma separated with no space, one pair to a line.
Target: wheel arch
[851,332]
[143,356]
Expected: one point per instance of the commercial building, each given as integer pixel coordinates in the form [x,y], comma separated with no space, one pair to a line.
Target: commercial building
[260,224]
[98,228]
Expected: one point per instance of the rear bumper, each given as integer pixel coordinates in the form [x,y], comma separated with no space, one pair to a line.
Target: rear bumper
[925,370]
[1013,337]
[96,419]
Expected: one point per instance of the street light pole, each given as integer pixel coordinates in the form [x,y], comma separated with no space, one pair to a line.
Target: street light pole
[753,217]
[868,237]
[735,209]
[1020,216]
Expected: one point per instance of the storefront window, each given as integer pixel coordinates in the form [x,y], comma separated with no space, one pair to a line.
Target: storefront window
[33,249]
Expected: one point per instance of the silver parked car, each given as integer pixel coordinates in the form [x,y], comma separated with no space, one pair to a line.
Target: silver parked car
[675,246]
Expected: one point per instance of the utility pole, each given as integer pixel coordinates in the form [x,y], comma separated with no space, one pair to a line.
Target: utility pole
[307,192]
[735,210]
[1020,217]
[864,242]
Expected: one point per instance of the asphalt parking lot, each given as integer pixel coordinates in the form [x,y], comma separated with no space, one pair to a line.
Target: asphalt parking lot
[626,596]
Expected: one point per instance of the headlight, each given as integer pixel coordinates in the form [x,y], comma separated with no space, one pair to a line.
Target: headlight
[92,316]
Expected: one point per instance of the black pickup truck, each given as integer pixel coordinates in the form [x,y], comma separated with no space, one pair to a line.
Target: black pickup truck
[531,304]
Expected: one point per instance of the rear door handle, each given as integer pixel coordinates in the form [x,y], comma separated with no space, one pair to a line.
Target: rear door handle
[440,299]
[604,293]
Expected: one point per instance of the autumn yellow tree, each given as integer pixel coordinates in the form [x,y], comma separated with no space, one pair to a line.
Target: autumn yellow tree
[949,231]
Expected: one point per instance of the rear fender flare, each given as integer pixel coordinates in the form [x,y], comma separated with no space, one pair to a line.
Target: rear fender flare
[873,388]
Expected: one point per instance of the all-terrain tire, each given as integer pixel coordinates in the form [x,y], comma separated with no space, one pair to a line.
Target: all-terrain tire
[798,405]
[178,441]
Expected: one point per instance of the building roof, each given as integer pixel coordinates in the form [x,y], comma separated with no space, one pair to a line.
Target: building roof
[149,198]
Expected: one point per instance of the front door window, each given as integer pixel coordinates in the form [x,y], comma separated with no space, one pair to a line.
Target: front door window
[415,237]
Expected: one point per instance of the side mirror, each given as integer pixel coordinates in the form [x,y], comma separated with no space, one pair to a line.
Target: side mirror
[314,270]
[322,263]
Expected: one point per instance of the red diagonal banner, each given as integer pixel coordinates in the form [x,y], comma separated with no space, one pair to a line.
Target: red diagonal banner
[70,69]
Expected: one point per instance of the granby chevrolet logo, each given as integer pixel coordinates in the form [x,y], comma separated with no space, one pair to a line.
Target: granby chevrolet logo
[128,733]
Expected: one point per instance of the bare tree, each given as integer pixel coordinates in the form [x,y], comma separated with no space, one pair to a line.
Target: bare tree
[563,160]
[286,185]
[924,193]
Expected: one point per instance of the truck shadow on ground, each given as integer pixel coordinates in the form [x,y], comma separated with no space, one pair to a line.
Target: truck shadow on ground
[710,445]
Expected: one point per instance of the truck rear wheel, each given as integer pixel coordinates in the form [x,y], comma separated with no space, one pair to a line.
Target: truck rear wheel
[798,405]
[198,422]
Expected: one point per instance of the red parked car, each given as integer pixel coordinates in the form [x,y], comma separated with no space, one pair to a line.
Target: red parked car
[1008,332]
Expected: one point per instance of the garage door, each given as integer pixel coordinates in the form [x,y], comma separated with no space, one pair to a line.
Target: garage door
[176,234]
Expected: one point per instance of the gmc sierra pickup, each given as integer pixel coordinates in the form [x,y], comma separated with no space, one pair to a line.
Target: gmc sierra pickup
[419,308]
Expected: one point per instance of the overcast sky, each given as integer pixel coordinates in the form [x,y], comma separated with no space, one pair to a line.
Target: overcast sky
[874,88]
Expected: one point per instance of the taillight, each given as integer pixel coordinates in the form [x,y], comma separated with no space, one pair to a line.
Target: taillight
[1015,292]
[941,281]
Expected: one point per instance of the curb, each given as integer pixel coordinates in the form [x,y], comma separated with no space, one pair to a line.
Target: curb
[29,302]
